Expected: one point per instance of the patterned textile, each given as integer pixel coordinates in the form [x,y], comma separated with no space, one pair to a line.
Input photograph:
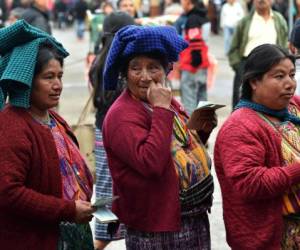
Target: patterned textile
[77,182]
[291,236]
[132,40]
[76,178]
[192,163]
[290,147]
[19,45]
[283,114]
[192,166]
[103,188]
[194,235]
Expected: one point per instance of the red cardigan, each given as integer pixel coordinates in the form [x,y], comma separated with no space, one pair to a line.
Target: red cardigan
[30,184]
[138,144]
[250,170]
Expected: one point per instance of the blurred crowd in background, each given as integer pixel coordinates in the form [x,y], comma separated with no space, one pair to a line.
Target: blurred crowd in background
[89,14]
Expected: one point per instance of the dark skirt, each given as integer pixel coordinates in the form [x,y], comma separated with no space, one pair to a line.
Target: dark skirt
[75,237]
[291,233]
[194,235]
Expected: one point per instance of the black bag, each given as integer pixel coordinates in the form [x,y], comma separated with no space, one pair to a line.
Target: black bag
[199,194]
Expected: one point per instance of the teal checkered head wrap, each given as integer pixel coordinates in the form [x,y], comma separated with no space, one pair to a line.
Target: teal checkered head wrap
[19,46]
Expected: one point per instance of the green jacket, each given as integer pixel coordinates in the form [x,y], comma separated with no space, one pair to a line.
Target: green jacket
[240,37]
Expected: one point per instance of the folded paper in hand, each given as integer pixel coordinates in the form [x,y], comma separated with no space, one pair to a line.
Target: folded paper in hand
[104,214]
[208,105]
[193,122]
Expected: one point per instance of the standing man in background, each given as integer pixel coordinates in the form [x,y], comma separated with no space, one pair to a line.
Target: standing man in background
[37,15]
[262,25]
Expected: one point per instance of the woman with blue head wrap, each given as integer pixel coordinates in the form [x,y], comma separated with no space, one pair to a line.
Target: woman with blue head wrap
[45,184]
[159,167]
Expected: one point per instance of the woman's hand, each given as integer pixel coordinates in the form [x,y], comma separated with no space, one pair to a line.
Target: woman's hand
[205,120]
[84,212]
[159,96]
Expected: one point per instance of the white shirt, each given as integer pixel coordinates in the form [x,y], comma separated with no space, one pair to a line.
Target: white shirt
[297,76]
[261,31]
[231,14]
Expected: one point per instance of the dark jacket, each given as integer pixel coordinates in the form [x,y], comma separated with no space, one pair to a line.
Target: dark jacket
[80,10]
[37,18]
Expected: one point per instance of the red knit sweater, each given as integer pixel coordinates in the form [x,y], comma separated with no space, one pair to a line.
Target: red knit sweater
[30,184]
[138,144]
[250,170]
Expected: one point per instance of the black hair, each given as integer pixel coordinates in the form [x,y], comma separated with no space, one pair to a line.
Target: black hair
[101,98]
[153,55]
[46,53]
[260,61]
[119,3]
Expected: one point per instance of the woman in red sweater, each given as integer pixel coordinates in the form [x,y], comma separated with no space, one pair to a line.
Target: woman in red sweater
[45,184]
[257,156]
[158,165]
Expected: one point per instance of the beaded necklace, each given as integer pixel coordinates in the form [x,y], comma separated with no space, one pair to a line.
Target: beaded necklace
[46,122]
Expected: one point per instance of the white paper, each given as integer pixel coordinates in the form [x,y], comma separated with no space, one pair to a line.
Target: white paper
[208,105]
[104,215]
[102,201]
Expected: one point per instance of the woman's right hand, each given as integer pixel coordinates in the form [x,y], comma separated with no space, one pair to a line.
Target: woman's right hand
[84,212]
[159,96]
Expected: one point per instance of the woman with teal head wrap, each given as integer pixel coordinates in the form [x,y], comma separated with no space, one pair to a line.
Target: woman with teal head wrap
[45,184]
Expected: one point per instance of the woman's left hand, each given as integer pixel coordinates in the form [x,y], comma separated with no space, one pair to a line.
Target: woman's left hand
[205,120]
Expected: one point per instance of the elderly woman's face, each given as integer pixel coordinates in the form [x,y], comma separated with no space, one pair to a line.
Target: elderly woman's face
[142,70]
[47,86]
[276,87]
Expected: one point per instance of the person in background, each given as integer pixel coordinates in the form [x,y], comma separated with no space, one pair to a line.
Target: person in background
[107,9]
[80,9]
[102,102]
[14,15]
[282,7]
[193,61]
[45,186]
[158,165]
[128,6]
[257,156]
[37,15]
[294,46]
[231,14]
[3,13]
[172,7]
[60,12]
[250,33]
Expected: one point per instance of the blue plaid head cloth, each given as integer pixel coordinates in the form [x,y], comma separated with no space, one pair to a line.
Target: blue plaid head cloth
[19,46]
[132,40]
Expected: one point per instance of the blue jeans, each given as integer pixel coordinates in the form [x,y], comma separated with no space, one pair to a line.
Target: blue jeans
[228,33]
[80,28]
[193,89]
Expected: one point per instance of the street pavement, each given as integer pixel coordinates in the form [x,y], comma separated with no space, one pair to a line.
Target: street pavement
[76,93]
